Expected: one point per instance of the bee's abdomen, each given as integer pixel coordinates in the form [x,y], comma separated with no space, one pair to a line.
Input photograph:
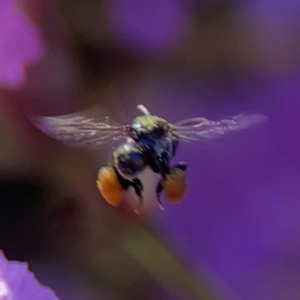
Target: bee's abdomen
[130,161]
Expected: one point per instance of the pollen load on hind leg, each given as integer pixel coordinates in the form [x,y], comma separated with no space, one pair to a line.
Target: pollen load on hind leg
[175,185]
[109,186]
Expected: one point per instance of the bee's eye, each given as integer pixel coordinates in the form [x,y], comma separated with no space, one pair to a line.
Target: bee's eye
[130,163]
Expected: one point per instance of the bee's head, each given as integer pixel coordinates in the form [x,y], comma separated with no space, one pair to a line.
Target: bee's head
[149,126]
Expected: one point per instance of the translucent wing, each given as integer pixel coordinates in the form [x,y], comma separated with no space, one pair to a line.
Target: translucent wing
[84,129]
[197,129]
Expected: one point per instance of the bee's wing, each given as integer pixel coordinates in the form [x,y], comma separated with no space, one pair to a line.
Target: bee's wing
[200,129]
[87,129]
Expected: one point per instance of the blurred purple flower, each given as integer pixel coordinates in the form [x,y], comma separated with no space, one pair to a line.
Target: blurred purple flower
[148,26]
[16,282]
[20,44]
[240,219]
[274,15]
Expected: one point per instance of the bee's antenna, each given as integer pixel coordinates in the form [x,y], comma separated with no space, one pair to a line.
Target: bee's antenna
[143,109]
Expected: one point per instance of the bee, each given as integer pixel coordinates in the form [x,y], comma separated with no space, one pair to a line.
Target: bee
[141,166]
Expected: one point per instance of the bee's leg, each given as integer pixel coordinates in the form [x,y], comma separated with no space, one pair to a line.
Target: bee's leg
[152,161]
[165,164]
[175,144]
[135,183]
[182,166]
[159,189]
[138,187]
[110,186]
[175,184]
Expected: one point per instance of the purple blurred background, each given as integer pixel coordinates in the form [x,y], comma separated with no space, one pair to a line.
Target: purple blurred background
[239,226]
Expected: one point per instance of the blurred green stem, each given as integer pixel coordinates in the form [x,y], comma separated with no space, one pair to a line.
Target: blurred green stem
[163,266]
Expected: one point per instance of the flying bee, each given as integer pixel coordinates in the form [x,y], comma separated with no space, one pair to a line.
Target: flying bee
[142,164]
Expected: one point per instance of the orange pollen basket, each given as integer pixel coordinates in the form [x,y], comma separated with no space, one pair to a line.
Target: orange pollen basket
[109,186]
